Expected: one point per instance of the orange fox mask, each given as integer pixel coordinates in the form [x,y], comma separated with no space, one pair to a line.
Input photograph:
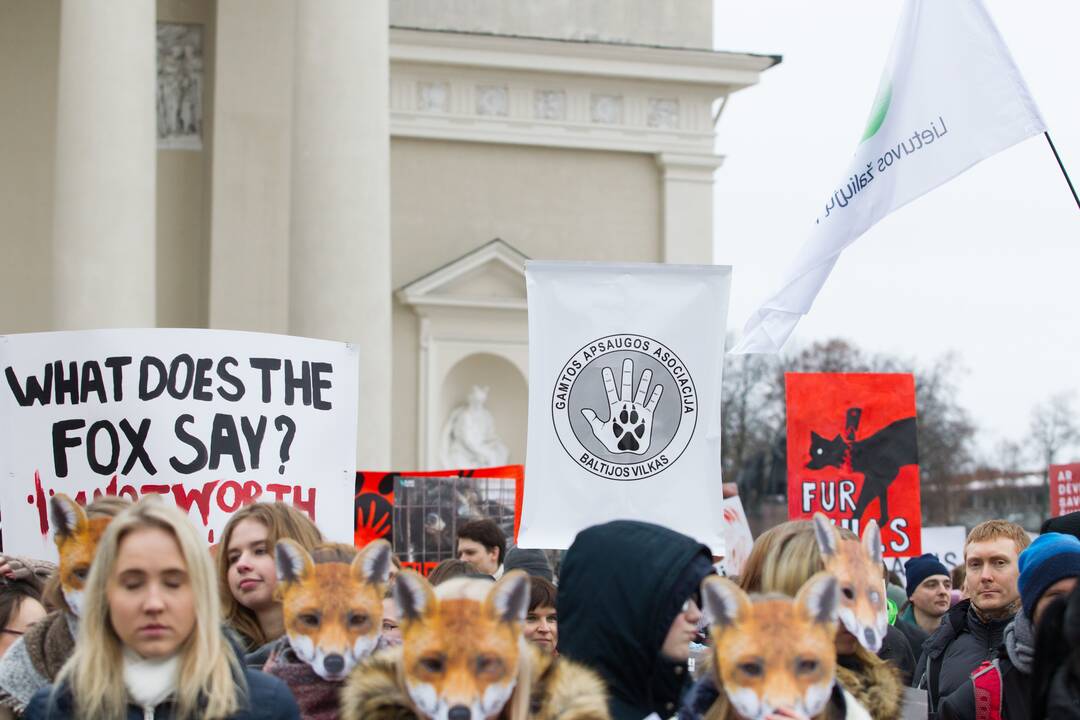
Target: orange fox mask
[774,652]
[333,610]
[76,536]
[859,569]
[462,643]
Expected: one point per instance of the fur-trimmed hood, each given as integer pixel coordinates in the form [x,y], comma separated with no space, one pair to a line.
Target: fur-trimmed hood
[876,686]
[561,690]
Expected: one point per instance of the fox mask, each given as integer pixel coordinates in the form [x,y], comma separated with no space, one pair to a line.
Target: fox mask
[462,645]
[332,610]
[77,537]
[774,652]
[859,569]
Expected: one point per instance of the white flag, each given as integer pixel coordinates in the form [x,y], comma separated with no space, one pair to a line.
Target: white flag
[950,96]
[625,366]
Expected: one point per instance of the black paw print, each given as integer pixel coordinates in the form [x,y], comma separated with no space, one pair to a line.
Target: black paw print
[627,442]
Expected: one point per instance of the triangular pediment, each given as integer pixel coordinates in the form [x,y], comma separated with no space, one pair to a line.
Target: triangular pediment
[491,276]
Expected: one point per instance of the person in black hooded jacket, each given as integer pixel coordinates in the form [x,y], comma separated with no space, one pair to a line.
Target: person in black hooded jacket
[627,593]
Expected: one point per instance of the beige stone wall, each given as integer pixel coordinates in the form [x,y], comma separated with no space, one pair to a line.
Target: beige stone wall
[183,195]
[29,54]
[672,23]
[449,198]
[29,50]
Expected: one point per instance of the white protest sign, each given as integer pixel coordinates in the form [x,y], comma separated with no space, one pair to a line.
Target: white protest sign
[738,539]
[946,543]
[213,420]
[625,365]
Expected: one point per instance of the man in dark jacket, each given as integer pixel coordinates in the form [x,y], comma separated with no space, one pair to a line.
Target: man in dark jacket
[974,629]
[628,609]
[928,599]
[1048,570]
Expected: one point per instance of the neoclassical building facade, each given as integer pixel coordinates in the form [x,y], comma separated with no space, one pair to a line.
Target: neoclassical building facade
[374,172]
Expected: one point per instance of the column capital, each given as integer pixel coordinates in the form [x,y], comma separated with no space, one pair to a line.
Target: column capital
[687,167]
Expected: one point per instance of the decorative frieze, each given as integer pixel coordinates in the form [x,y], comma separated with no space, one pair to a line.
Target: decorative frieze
[606,109]
[492,100]
[433,97]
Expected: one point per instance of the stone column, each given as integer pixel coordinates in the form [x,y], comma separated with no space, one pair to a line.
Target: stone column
[688,207]
[339,256]
[103,218]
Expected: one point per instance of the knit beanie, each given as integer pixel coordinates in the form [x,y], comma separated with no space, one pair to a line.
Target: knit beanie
[1050,558]
[533,562]
[1066,524]
[920,568]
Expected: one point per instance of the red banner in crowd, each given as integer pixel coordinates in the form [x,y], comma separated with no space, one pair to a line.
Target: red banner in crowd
[435,513]
[1064,489]
[852,453]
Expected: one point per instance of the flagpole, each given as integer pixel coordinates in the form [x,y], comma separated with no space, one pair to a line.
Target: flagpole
[1062,166]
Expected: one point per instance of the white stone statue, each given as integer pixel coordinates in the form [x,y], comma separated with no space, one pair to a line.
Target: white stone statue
[469,439]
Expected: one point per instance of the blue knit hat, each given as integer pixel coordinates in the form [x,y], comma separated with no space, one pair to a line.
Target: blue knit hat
[1050,558]
[918,569]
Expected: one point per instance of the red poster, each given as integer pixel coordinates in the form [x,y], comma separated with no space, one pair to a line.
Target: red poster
[1064,489]
[852,453]
[373,498]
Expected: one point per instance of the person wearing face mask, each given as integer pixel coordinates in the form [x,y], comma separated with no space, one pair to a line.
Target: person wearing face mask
[974,629]
[247,575]
[150,641]
[628,609]
[35,658]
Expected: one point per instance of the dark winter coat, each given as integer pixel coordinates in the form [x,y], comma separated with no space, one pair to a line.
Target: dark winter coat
[915,635]
[1062,700]
[622,585]
[897,651]
[1015,705]
[267,699]
[960,645]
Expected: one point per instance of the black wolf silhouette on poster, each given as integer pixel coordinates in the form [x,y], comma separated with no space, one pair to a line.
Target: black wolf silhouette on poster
[853,455]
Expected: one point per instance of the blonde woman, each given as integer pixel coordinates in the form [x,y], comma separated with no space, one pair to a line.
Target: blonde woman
[150,643]
[247,576]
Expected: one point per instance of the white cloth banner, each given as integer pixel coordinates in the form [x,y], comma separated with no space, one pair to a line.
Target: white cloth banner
[212,420]
[949,97]
[946,543]
[625,365]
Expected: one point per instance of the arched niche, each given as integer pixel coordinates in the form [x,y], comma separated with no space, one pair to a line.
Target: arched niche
[473,330]
[508,393]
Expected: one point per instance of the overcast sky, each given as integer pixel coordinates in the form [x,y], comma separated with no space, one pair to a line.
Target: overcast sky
[987,265]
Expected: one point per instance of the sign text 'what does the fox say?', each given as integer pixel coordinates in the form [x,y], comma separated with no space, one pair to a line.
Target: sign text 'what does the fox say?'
[852,453]
[212,420]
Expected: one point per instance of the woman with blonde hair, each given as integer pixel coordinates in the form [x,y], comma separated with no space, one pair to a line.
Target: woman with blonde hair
[150,643]
[247,576]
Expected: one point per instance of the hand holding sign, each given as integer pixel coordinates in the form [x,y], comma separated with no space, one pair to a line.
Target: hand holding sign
[629,425]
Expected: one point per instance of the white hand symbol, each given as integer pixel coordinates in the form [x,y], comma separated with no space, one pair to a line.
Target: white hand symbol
[629,425]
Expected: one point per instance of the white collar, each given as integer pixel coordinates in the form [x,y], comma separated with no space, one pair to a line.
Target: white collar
[150,682]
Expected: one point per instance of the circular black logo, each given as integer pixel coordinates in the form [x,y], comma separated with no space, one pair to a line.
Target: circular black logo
[624,407]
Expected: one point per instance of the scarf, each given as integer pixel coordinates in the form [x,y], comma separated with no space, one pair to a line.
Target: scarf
[317,698]
[51,642]
[1020,643]
[150,682]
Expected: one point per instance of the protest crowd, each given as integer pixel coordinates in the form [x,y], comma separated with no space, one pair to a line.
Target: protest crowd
[182,537]
[139,619]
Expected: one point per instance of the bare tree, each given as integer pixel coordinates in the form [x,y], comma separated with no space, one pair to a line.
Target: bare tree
[1054,428]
